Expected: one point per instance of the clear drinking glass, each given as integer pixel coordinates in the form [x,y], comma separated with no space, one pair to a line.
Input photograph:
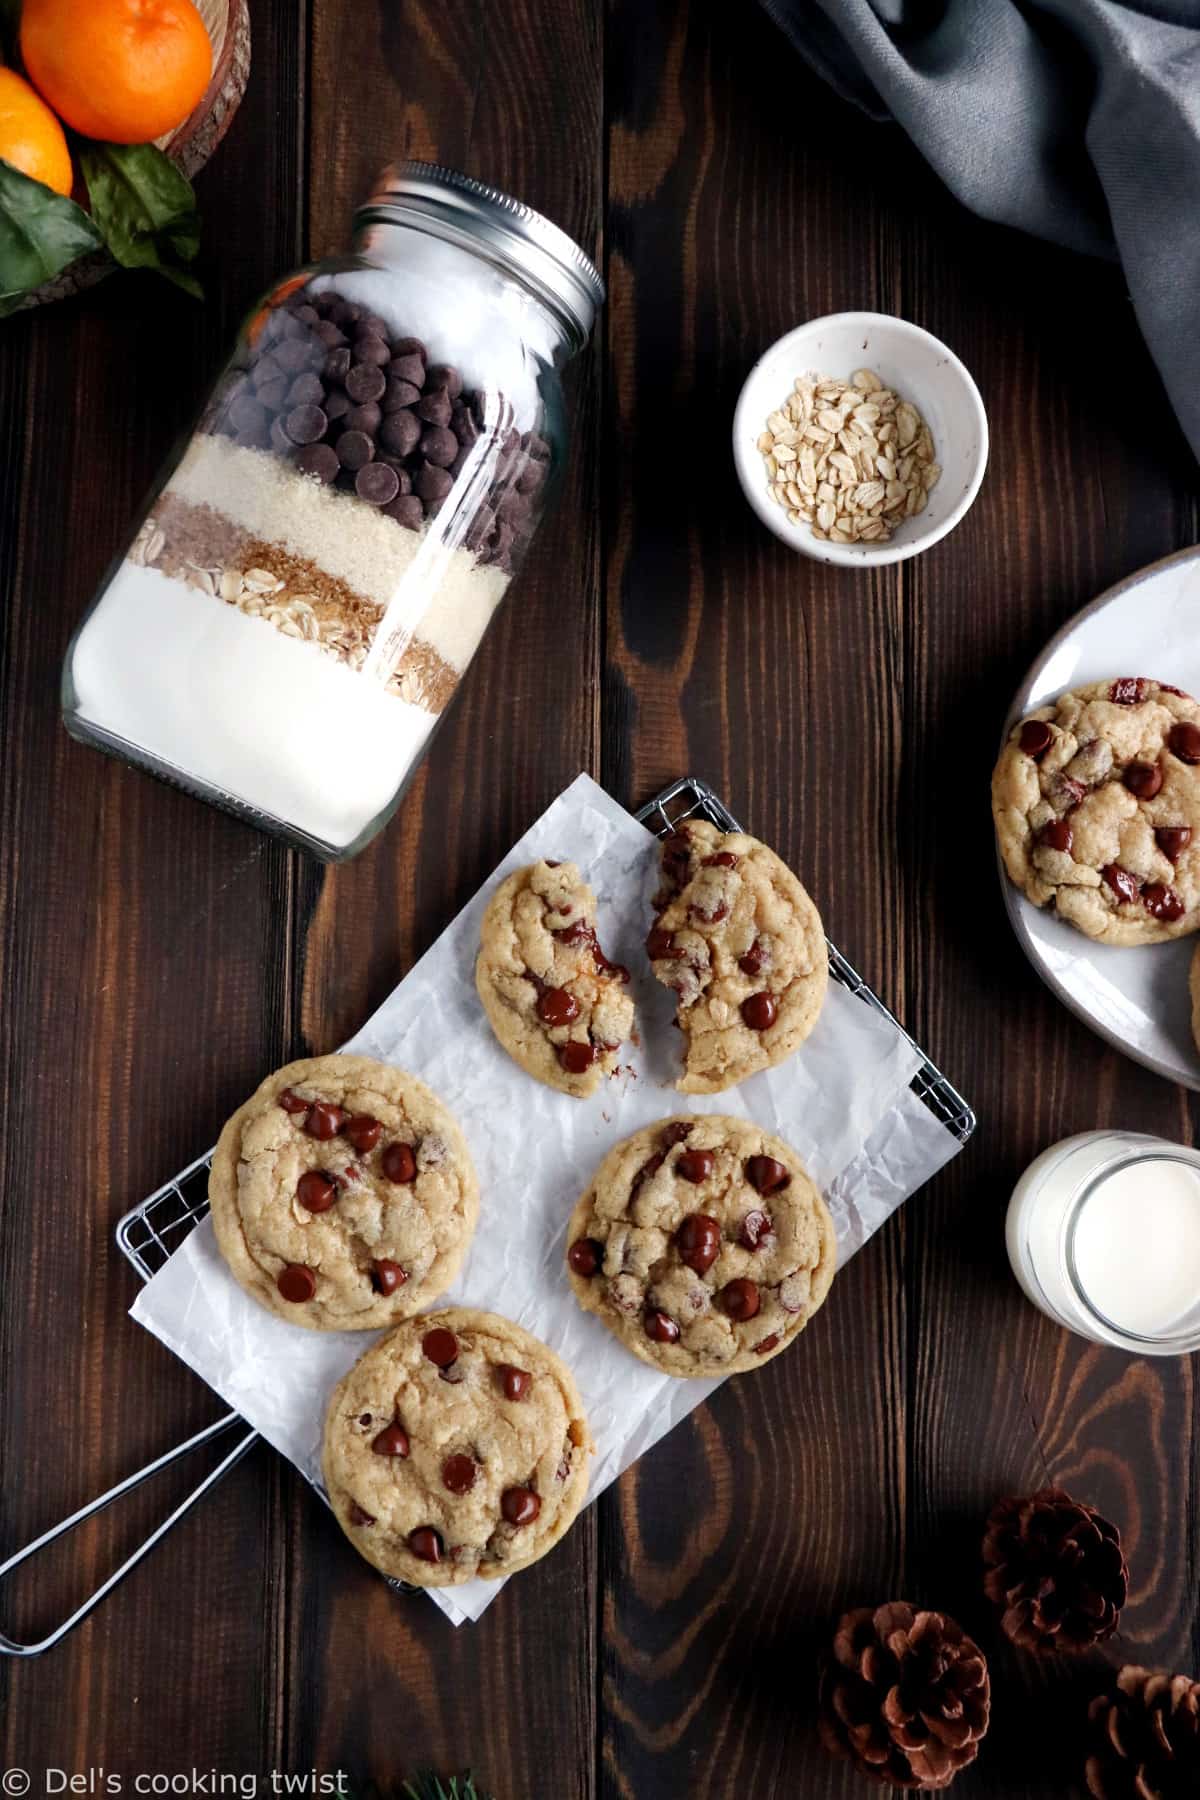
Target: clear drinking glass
[320,561]
[1103,1235]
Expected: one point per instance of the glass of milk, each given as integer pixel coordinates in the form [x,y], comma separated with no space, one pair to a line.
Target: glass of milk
[1104,1236]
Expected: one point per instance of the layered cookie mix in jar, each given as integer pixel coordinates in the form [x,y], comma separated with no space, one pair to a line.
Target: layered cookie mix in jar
[312,578]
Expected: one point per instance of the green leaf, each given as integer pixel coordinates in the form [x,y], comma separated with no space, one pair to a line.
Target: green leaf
[40,232]
[145,209]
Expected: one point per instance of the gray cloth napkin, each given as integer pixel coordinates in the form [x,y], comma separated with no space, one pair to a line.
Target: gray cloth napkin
[1076,120]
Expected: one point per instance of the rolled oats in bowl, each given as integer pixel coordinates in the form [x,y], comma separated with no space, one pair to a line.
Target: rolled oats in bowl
[852,459]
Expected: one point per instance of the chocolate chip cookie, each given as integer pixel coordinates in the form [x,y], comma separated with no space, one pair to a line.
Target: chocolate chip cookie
[702,1244]
[343,1194]
[740,942]
[1096,799]
[456,1446]
[553,999]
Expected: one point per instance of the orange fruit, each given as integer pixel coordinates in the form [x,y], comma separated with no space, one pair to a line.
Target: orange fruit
[124,71]
[31,138]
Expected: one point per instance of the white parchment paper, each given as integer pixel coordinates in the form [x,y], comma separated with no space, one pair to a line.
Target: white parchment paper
[843,1101]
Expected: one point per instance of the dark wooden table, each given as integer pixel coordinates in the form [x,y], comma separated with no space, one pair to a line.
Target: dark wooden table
[157,958]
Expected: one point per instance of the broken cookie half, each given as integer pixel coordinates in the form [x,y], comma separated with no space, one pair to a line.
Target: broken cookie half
[553,999]
[737,938]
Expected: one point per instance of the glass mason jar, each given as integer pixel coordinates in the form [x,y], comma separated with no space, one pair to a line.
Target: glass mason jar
[320,562]
[1104,1236]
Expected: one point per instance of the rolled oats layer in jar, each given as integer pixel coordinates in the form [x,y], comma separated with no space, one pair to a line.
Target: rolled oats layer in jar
[312,579]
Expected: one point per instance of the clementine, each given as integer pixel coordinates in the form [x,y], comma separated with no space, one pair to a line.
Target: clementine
[124,71]
[31,138]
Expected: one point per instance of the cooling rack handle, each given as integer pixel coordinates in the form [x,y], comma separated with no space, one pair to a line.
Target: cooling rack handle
[7,1646]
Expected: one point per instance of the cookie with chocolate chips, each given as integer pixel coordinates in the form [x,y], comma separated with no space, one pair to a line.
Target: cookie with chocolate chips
[739,941]
[1096,799]
[553,999]
[456,1446]
[702,1244]
[343,1194]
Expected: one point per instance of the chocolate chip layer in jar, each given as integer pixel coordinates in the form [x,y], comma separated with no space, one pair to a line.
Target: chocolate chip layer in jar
[305,592]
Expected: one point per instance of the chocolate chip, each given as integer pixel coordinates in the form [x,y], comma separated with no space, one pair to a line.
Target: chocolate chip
[366,381]
[247,414]
[324,1120]
[768,1343]
[363,1132]
[443,375]
[294,354]
[458,1473]
[766,1175]
[438,446]
[1035,738]
[407,511]
[399,393]
[577,932]
[426,1543]
[756,958]
[1057,834]
[411,346]
[1173,840]
[698,1241]
[373,350]
[756,1229]
[434,408]
[661,1327]
[531,477]
[374,325]
[318,460]
[512,507]
[366,418]
[344,312]
[293,1103]
[402,474]
[1123,884]
[440,1346]
[329,334]
[515,1382]
[274,393]
[337,404]
[305,313]
[1183,740]
[694,1165]
[648,1169]
[520,1506]
[739,1299]
[278,439]
[359,1514]
[399,1164]
[306,390]
[576,1056]
[391,1441]
[337,364]
[659,944]
[585,1256]
[1162,903]
[464,427]
[557,1006]
[306,424]
[537,447]
[387,1276]
[1143,779]
[315,1192]
[400,432]
[1130,690]
[354,449]
[377,483]
[408,367]
[720,859]
[759,1011]
[296,1282]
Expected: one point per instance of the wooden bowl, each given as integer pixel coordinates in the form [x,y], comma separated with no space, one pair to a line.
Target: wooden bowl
[191,144]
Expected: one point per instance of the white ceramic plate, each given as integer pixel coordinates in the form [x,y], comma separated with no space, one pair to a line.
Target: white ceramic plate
[1136,999]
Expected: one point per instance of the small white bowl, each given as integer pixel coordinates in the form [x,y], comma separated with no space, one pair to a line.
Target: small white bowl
[920,368]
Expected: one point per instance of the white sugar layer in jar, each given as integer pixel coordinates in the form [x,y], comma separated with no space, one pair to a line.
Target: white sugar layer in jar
[228,700]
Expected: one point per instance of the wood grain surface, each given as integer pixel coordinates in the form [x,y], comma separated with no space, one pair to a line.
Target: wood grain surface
[156,958]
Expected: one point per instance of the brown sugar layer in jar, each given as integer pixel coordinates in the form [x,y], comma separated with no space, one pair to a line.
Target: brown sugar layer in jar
[332,389]
[198,545]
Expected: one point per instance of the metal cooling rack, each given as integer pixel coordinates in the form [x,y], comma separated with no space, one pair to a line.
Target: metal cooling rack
[150,1234]
[690,798]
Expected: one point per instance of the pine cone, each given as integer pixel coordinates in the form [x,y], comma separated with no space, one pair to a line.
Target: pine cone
[905,1695]
[1145,1738]
[1057,1569]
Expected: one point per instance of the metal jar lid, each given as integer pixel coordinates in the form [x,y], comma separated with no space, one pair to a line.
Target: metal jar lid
[482,218]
